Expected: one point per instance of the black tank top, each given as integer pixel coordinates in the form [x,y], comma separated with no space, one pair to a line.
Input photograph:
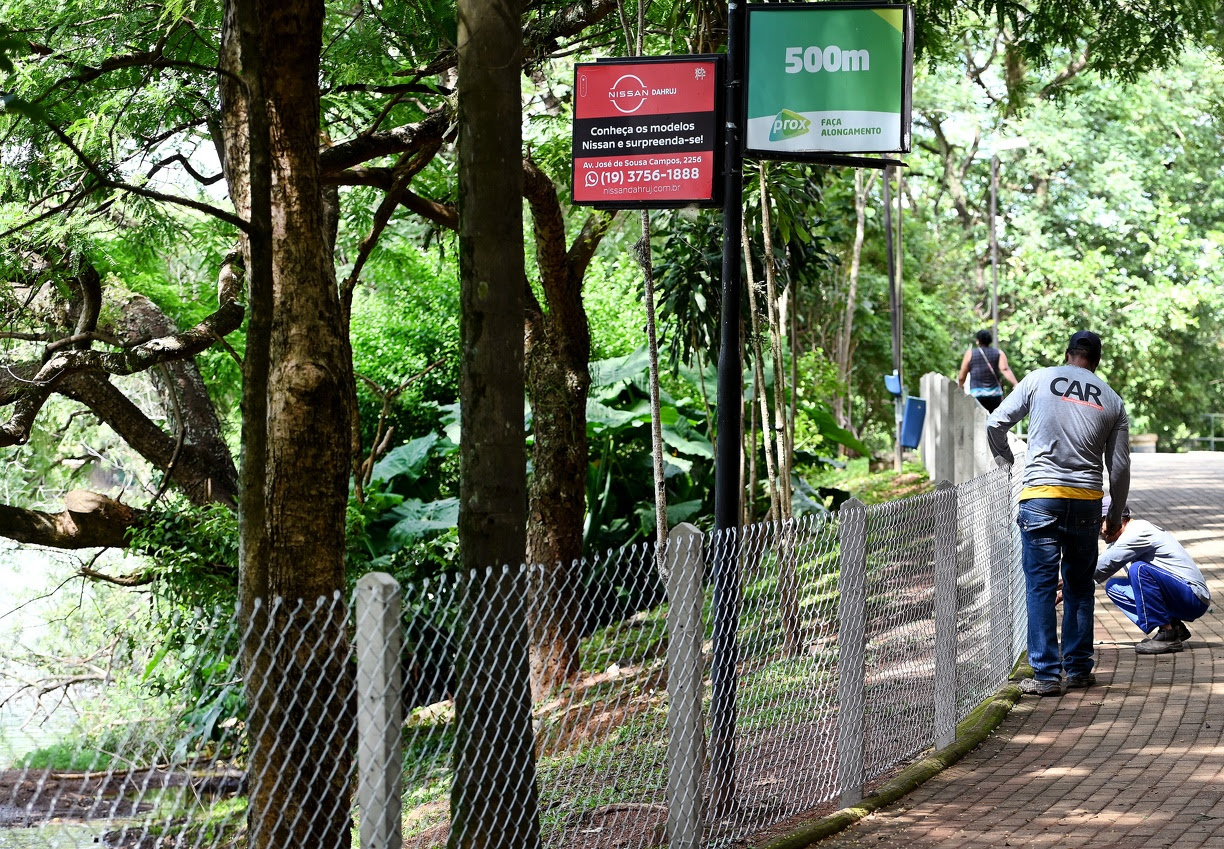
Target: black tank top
[981,374]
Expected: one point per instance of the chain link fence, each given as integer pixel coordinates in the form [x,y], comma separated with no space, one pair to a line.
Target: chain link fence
[597,694]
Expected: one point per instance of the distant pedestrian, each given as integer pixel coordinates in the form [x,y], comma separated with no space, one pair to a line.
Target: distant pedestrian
[1077,427]
[1162,589]
[986,367]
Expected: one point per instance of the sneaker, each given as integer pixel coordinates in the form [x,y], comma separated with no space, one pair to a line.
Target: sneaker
[1036,687]
[1163,642]
[1180,629]
[1081,681]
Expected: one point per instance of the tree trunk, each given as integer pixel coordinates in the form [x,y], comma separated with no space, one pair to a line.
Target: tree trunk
[294,479]
[493,800]
[558,349]
[558,381]
[841,403]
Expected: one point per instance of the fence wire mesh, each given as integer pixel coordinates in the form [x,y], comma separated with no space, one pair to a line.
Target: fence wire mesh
[445,708]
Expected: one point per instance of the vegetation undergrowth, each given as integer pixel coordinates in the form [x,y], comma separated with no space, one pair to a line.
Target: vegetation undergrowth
[876,487]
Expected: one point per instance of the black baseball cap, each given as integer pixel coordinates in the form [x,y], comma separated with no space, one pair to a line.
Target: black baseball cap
[1087,342]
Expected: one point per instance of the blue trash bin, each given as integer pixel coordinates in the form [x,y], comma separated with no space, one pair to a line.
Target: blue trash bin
[911,421]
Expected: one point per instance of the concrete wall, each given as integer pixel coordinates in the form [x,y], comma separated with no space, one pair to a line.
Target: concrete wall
[953,445]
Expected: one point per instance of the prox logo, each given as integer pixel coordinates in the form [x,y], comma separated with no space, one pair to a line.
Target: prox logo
[788,125]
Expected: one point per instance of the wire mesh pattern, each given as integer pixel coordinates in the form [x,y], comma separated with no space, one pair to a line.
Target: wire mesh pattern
[450,709]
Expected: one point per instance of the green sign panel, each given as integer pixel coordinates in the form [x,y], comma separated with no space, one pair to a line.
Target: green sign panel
[828,78]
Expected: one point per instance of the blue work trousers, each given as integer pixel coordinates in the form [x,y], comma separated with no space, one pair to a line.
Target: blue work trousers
[1151,597]
[1058,535]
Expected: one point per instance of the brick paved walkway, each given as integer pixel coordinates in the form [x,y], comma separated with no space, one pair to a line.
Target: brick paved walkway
[1134,763]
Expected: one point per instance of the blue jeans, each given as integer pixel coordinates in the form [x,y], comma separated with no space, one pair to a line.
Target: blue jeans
[1151,597]
[1059,535]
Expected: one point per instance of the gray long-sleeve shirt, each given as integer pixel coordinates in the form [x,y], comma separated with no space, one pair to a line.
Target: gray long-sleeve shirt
[1077,424]
[1141,540]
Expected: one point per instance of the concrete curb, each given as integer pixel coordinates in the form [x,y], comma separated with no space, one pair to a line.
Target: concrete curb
[971,731]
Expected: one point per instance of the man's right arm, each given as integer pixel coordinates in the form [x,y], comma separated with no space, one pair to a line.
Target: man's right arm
[1013,409]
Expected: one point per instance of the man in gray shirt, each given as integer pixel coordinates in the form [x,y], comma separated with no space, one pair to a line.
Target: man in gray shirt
[1162,587]
[1077,428]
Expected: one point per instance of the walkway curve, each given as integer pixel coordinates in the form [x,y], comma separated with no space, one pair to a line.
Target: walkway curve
[1136,762]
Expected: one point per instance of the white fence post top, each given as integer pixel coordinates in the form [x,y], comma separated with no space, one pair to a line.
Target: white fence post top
[376,580]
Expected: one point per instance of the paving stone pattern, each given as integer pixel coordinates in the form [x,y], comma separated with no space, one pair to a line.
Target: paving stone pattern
[1136,762]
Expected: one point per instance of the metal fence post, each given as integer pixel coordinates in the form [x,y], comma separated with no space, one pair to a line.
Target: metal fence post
[686,731]
[852,650]
[945,614]
[379,711]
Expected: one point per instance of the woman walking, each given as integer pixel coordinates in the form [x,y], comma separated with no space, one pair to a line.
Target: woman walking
[985,366]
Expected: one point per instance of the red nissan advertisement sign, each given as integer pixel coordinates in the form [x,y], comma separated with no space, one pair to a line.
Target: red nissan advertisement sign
[646,132]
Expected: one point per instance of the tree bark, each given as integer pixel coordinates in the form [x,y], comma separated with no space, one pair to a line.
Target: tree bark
[493,800]
[296,395]
[182,386]
[558,351]
[89,520]
[862,191]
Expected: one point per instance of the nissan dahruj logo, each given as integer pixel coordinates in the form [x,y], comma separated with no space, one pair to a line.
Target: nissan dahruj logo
[628,93]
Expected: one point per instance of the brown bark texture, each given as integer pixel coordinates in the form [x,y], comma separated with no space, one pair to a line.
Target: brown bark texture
[296,439]
[494,801]
[558,352]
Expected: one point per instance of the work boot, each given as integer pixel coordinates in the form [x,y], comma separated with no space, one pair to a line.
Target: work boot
[1162,642]
[1081,681]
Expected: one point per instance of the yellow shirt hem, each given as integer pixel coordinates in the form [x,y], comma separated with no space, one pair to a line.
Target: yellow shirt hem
[1078,493]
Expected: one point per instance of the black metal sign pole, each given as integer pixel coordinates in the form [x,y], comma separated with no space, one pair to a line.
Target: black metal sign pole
[727,458]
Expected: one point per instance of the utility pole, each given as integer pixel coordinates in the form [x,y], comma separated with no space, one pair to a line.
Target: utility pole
[730,413]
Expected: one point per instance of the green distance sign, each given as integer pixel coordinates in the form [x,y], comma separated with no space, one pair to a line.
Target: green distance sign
[828,78]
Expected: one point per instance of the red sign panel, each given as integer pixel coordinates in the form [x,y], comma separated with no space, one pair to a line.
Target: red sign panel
[646,133]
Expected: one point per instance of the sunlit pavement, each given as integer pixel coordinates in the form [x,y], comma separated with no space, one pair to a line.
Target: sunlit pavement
[1136,761]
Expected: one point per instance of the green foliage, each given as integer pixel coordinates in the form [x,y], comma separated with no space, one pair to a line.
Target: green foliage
[405,330]
[406,524]
[612,297]
[856,478]
[192,553]
[620,489]
[1126,239]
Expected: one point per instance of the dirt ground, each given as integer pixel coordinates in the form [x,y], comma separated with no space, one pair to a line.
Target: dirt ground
[30,797]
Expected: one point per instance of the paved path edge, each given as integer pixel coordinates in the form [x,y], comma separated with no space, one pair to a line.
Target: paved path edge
[970,733]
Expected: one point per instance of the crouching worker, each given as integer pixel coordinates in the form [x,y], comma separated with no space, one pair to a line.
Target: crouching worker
[1163,588]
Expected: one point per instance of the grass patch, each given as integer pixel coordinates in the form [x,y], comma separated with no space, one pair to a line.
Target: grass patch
[631,642]
[786,692]
[875,487]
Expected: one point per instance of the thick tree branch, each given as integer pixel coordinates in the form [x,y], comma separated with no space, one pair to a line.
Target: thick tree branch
[203,478]
[1073,69]
[582,251]
[441,214]
[89,520]
[430,131]
[549,226]
[28,385]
